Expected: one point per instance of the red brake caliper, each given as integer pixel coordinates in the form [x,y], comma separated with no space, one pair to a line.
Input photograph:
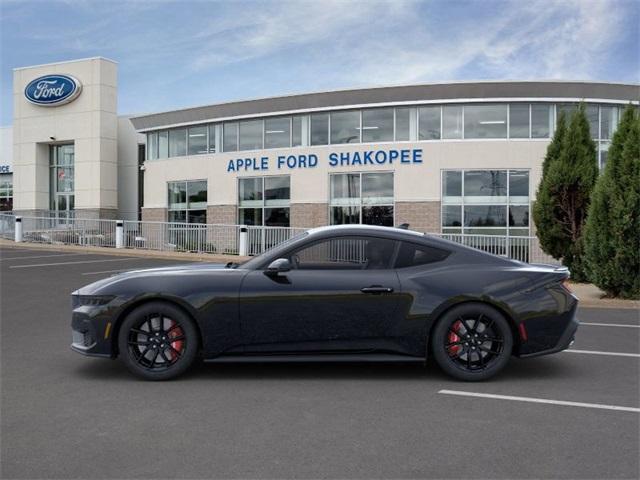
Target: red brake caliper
[454,349]
[177,345]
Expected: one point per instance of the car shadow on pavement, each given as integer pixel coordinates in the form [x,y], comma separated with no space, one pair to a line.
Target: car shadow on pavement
[530,369]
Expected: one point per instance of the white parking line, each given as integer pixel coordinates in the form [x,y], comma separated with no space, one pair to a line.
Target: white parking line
[624,325]
[597,352]
[540,400]
[75,263]
[41,256]
[109,271]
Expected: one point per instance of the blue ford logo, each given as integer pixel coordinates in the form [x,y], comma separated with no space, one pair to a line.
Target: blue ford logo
[53,90]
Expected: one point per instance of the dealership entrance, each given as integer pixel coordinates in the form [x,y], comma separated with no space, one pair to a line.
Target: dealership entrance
[61,180]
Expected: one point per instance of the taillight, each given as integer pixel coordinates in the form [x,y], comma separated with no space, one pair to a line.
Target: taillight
[567,286]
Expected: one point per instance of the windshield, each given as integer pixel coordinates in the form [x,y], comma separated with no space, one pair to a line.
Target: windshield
[258,259]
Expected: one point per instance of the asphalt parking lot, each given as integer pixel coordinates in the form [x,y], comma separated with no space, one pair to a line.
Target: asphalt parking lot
[66,416]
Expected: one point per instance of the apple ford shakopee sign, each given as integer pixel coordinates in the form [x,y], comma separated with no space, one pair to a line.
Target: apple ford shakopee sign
[53,90]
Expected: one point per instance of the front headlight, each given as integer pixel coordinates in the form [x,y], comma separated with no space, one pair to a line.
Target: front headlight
[90,300]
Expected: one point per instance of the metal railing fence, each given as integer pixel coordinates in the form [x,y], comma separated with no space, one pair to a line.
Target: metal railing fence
[222,239]
[67,231]
[263,238]
[525,249]
[182,237]
[7,226]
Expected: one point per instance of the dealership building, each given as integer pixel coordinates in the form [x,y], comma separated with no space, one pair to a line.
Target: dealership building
[447,157]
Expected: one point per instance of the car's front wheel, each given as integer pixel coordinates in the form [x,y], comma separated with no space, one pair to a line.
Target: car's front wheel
[158,341]
[472,342]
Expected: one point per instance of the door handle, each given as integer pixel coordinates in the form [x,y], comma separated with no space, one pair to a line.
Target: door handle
[376,289]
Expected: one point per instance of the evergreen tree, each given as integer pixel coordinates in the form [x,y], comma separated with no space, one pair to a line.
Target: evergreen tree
[612,233]
[564,194]
[549,232]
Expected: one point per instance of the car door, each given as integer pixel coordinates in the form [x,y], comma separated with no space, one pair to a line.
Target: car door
[340,294]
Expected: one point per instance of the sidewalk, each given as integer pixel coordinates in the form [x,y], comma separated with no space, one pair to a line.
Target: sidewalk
[129,252]
[592,296]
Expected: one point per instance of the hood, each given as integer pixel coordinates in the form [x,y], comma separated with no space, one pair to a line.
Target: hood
[175,270]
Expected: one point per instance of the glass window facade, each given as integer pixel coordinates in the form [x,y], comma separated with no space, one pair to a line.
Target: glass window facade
[377,125]
[452,121]
[519,120]
[382,124]
[6,192]
[264,201]
[163,144]
[403,124]
[345,127]
[178,142]
[319,129]
[187,201]
[197,140]
[296,131]
[251,135]
[486,202]
[277,132]
[541,120]
[365,198]
[230,137]
[485,121]
[62,179]
[429,123]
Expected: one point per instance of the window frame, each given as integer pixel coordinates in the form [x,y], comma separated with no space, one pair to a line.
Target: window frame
[360,205]
[360,236]
[186,209]
[263,201]
[507,203]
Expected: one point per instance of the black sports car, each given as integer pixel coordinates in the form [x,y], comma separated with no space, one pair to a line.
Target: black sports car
[344,293]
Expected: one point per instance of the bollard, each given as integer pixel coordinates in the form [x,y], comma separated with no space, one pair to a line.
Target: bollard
[18,230]
[244,244]
[119,234]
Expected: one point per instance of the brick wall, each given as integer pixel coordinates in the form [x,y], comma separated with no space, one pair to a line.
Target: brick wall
[421,216]
[222,214]
[154,214]
[309,215]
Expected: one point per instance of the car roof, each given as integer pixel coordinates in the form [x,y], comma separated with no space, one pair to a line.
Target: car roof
[364,229]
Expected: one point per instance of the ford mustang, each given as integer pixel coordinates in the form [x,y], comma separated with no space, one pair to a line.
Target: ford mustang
[342,293]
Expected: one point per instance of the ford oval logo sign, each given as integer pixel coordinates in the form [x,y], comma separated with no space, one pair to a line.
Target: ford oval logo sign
[53,90]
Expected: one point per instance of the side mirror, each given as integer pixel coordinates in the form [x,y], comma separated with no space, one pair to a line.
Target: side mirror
[279,265]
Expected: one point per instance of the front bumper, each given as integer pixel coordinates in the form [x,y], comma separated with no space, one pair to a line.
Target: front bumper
[92,330]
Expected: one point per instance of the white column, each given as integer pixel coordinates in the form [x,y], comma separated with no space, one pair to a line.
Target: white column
[119,234]
[18,230]
[243,247]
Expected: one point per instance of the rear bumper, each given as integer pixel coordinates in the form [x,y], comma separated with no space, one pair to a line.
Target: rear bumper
[564,342]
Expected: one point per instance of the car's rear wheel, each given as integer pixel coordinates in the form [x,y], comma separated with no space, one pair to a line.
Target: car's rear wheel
[472,342]
[158,341]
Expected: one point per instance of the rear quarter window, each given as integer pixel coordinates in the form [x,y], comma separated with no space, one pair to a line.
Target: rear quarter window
[413,254]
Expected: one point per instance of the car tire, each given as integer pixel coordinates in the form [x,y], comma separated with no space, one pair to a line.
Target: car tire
[158,341]
[472,342]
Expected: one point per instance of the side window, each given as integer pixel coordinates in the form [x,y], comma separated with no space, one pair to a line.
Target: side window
[412,254]
[345,253]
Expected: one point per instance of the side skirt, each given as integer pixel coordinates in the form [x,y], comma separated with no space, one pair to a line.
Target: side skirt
[317,358]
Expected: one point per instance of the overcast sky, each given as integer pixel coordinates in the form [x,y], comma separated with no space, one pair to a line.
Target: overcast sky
[185,53]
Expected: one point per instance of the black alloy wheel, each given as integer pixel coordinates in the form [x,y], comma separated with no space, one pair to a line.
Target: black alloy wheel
[158,341]
[472,342]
